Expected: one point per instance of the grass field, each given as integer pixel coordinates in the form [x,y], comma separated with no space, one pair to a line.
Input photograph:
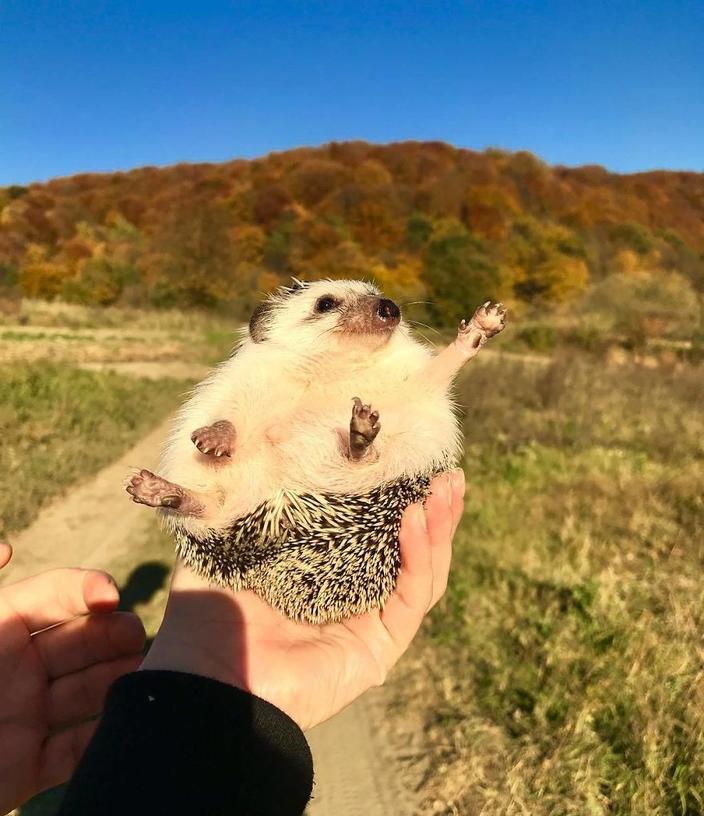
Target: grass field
[562,674]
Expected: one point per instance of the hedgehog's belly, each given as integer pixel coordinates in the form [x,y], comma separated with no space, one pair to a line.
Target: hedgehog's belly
[416,436]
[316,558]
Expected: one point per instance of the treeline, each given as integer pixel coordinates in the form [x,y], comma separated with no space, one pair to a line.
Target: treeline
[429,222]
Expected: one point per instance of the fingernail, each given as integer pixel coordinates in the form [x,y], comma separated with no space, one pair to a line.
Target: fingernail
[112,583]
[458,480]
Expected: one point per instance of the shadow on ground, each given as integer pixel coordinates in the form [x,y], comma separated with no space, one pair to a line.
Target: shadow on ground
[140,587]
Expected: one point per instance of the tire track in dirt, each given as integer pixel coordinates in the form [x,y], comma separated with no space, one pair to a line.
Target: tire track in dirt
[94,525]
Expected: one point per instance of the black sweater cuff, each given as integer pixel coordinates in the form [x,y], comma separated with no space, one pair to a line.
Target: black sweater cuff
[171,742]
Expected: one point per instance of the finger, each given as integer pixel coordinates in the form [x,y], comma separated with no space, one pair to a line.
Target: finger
[62,753]
[91,639]
[404,611]
[81,695]
[61,594]
[442,510]
[5,553]
[458,491]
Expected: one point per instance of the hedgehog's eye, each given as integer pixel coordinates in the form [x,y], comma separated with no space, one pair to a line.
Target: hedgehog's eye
[326,304]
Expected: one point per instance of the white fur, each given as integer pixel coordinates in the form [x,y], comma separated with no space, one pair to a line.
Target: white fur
[290,401]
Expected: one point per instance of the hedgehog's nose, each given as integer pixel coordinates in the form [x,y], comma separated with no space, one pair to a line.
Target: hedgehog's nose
[388,310]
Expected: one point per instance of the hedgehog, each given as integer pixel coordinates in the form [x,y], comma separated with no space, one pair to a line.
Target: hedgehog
[277,476]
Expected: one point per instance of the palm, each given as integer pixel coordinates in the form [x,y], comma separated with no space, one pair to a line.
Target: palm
[53,680]
[326,667]
[310,672]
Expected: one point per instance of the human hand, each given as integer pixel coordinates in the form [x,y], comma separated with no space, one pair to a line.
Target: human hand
[310,672]
[52,680]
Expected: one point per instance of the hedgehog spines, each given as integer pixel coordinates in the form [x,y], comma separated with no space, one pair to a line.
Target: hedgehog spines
[315,557]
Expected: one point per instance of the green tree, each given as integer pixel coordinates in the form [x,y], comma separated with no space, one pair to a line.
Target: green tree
[192,259]
[459,274]
[278,245]
[419,228]
[645,304]
[632,236]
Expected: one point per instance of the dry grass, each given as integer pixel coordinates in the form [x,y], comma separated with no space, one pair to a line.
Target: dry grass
[74,316]
[562,674]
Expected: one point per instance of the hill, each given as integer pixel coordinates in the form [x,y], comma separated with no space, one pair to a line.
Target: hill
[429,221]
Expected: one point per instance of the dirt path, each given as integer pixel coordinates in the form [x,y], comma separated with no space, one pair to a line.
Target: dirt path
[357,770]
[94,525]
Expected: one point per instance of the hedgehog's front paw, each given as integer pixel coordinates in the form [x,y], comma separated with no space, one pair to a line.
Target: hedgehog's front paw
[147,488]
[490,318]
[364,427]
[217,439]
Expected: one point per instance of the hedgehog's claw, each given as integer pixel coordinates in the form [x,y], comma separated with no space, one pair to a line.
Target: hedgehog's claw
[364,428]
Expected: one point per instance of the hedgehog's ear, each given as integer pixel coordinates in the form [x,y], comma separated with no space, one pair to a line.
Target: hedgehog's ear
[258,321]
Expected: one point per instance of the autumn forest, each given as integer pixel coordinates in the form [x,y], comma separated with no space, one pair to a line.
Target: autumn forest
[433,224]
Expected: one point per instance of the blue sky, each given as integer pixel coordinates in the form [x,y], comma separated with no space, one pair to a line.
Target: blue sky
[89,86]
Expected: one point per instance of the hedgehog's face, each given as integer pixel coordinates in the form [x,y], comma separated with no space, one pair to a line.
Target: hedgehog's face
[314,316]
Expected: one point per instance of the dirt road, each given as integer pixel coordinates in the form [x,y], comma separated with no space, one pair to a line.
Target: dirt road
[94,525]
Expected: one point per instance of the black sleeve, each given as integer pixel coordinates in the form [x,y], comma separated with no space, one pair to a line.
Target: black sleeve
[176,743]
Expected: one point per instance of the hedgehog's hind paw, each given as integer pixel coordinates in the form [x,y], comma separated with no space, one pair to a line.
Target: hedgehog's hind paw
[364,427]
[147,488]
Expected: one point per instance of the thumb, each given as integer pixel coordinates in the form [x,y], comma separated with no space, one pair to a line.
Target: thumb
[5,553]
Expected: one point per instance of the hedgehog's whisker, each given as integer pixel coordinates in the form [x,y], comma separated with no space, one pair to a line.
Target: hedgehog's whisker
[417,303]
[424,325]
[427,339]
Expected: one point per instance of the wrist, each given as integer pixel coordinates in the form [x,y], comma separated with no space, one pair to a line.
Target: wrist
[200,632]
[184,656]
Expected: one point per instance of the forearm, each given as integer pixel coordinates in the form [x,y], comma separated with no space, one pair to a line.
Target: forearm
[487,321]
[176,743]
